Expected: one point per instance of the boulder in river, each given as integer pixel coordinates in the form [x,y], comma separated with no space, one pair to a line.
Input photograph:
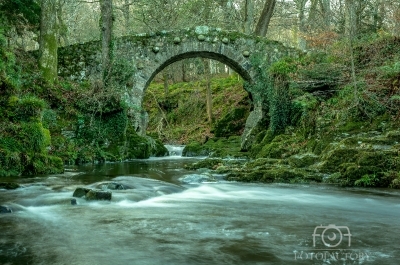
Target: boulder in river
[80,192]
[111,186]
[5,209]
[91,194]
[8,185]
[98,195]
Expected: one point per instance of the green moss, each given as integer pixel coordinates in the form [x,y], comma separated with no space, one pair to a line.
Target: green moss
[210,163]
[34,137]
[262,163]
[195,149]
[158,149]
[137,146]
[232,123]
[44,164]
[393,135]
[352,126]
[216,147]
[11,163]
[303,160]
[339,155]
[28,108]
[262,139]
[284,174]
[9,185]
[48,60]
[273,150]
[281,146]
[275,173]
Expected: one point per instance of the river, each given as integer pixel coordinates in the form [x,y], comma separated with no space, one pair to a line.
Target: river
[169,215]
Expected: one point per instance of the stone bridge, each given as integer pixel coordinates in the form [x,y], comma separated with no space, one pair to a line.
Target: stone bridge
[145,55]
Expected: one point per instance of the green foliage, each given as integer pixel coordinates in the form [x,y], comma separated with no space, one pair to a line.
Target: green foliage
[121,71]
[357,104]
[44,164]
[232,124]
[280,105]
[34,137]
[10,79]
[49,119]
[283,67]
[28,108]
[390,71]
[20,12]
[137,146]
[369,180]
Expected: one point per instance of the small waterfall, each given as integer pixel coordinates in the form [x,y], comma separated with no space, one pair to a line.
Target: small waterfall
[175,150]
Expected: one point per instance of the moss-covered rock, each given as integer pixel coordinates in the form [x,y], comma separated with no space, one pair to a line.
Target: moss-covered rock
[216,147]
[194,149]
[282,146]
[393,136]
[44,164]
[263,138]
[210,163]
[136,146]
[302,160]
[337,156]
[262,163]
[232,123]
[158,149]
[275,173]
[9,185]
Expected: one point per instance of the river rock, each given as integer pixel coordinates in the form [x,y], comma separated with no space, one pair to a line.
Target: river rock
[92,194]
[80,192]
[111,186]
[8,185]
[5,209]
[98,195]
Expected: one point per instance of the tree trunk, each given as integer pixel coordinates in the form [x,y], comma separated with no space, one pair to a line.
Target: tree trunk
[248,16]
[326,12]
[48,42]
[379,14]
[207,72]
[351,25]
[312,14]
[166,87]
[62,27]
[106,27]
[184,72]
[301,7]
[266,15]
[127,16]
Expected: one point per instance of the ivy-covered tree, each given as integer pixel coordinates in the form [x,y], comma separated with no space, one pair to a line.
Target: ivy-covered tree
[48,42]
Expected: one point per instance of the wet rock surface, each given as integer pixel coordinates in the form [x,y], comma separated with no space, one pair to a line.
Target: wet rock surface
[92,194]
[5,209]
[9,185]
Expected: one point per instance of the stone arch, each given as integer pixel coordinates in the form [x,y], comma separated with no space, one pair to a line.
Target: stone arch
[149,53]
[151,59]
[244,73]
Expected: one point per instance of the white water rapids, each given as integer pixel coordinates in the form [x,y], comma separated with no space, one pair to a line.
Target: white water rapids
[162,219]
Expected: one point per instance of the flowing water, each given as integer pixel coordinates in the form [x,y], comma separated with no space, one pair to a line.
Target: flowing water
[169,215]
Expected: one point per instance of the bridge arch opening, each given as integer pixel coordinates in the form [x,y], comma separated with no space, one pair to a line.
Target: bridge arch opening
[177,102]
[242,70]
